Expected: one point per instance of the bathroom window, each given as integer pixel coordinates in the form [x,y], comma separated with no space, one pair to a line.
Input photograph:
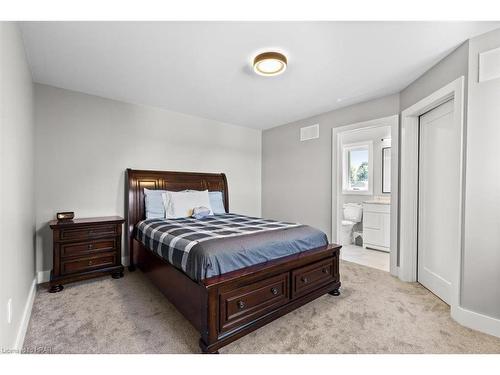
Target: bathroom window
[358,168]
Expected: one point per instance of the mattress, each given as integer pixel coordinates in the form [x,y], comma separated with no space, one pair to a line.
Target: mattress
[218,244]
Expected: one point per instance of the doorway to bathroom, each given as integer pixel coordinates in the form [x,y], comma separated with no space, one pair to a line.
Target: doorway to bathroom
[364,180]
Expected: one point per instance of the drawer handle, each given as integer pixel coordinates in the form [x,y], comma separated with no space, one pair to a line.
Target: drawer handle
[90,247]
[241,305]
[305,280]
[325,270]
[274,291]
[90,263]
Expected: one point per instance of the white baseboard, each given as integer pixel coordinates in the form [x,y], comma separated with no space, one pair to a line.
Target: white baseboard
[25,319]
[477,321]
[43,276]
[394,271]
[125,260]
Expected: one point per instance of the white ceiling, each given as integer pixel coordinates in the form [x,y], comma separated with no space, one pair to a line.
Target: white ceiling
[203,68]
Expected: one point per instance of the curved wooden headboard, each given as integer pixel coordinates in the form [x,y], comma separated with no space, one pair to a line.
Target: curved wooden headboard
[137,180]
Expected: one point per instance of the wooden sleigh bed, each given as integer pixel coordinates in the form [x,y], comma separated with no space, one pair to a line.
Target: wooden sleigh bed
[226,307]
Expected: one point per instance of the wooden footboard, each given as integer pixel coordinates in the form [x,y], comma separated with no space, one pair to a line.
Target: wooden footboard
[227,307]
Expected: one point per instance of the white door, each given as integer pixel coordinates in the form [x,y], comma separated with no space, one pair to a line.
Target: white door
[439,194]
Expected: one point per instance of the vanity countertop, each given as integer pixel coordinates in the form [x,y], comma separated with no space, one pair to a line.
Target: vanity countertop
[377,202]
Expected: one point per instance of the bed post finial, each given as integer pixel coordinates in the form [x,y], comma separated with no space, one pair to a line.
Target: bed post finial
[129,210]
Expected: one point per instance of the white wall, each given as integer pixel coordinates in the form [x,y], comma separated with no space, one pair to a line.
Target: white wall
[481,257]
[17,217]
[84,143]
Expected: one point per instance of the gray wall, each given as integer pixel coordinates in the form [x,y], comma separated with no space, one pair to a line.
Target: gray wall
[447,70]
[84,143]
[17,219]
[453,66]
[481,257]
[296,182]
[297,176]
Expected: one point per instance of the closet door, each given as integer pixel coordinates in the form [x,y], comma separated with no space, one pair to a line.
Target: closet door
[439,194]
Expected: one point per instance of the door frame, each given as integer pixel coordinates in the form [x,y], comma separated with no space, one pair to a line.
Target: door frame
[393,122]
[408,210]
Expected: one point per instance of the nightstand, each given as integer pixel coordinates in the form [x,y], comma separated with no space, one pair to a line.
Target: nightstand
[85,248]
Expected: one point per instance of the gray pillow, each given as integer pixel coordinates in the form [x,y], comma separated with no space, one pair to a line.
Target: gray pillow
[200,212]
[154,204]
[216,202]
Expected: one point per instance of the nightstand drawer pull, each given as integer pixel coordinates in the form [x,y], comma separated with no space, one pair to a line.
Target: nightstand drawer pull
[81,233]
[325,270]
[71,249]
[274,291]
[305,280]
[90,263]
[241,305]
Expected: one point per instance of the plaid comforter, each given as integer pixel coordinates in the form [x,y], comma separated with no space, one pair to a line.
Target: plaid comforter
[222,243]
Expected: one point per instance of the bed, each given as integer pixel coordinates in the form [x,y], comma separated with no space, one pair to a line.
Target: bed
[226,292]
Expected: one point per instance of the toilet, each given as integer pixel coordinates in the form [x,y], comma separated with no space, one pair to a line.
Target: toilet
[353,213]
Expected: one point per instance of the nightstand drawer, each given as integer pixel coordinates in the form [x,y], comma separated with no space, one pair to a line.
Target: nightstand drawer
[88,247]
[88,263]
[89,232]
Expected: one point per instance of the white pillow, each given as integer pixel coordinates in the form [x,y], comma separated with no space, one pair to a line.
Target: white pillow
[179,204]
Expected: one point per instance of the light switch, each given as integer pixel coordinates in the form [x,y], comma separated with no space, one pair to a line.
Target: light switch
[9,311]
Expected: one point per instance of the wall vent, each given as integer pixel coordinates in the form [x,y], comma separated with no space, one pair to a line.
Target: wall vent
[309,132]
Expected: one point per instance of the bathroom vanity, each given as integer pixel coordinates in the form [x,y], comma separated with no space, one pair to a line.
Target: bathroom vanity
[377,225]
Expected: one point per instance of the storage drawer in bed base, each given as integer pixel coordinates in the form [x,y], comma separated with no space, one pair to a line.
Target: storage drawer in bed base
[227,307]
[245,303]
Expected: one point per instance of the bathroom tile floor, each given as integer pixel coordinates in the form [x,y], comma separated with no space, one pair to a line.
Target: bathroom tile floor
[366,257]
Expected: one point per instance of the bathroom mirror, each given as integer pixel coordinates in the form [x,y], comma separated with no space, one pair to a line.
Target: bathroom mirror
[386,170]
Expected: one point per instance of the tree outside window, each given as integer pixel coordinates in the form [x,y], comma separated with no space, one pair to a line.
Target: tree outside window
[356,177]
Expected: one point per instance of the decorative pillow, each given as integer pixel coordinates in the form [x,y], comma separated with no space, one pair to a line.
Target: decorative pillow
[216,202]
[154,204]
[200,212]
[179,204]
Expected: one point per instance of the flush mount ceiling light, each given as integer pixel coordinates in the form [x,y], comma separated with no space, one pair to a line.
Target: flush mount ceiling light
[269,63]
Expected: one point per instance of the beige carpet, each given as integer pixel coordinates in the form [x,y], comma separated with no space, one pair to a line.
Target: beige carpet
[376,313]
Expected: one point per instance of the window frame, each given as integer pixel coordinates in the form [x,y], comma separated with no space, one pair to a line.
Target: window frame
[346,148]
